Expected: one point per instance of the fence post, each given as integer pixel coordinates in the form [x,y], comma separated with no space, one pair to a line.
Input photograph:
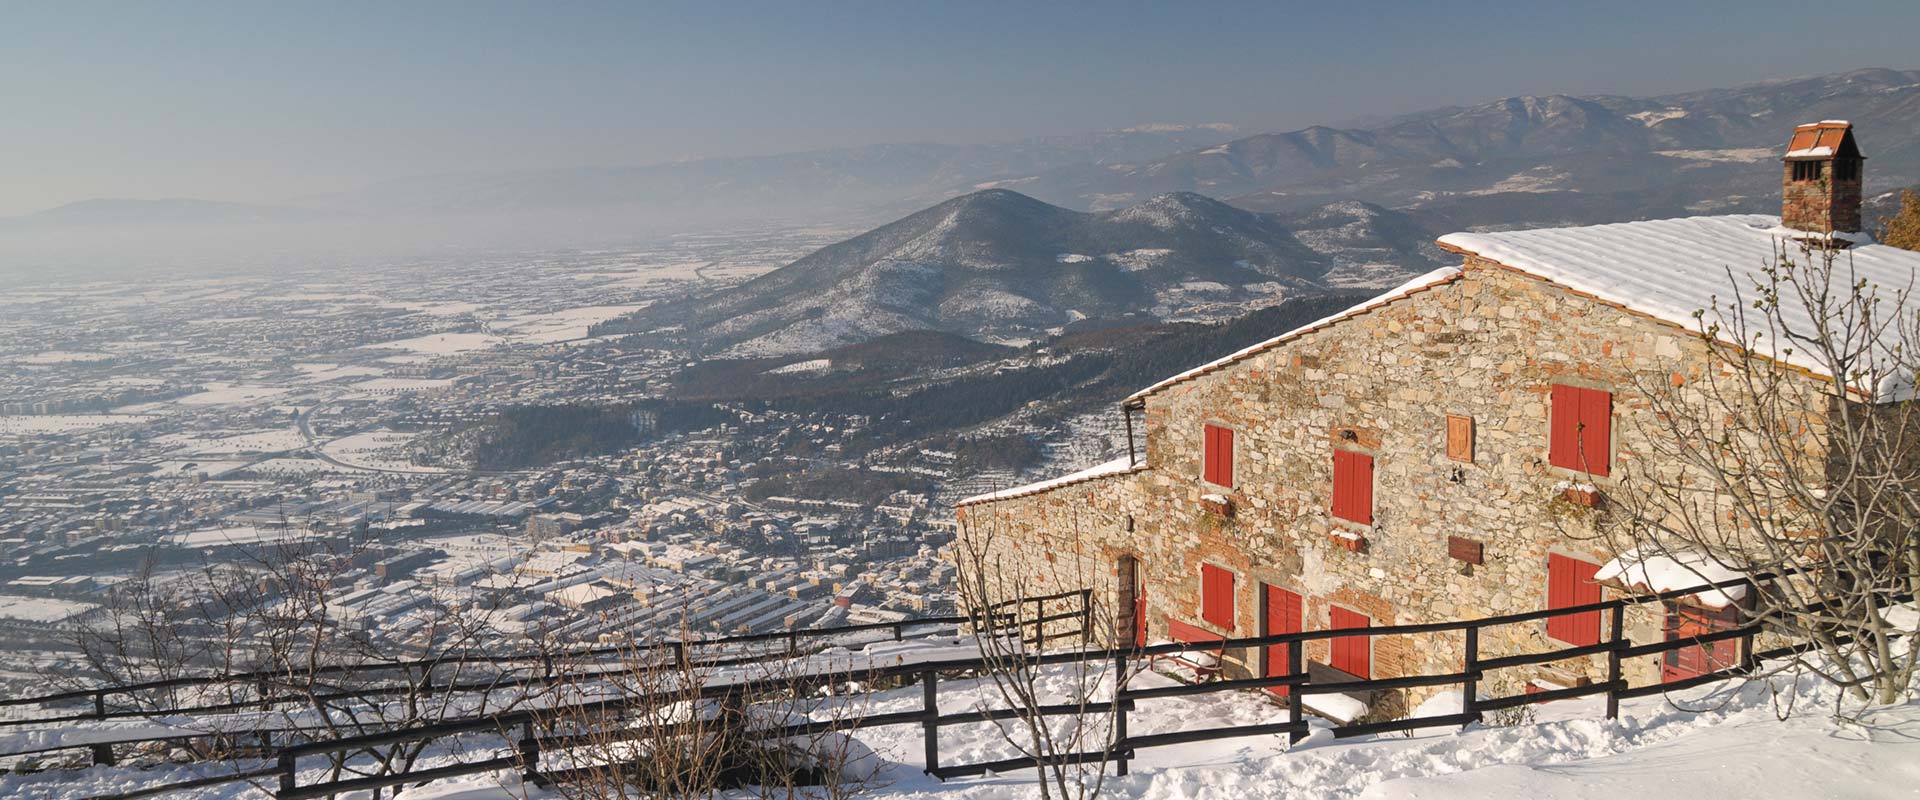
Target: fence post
[1295,666]
[286,772]
[1747,662]
[529,753]
[793,641]
[102,753]
[1616,635]
[1086,617]
[1119,714]
[899,631]
[1470,688]
[929,722]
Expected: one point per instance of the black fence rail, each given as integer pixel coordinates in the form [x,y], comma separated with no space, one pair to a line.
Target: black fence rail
[526,749]
[681,651]
[257,685]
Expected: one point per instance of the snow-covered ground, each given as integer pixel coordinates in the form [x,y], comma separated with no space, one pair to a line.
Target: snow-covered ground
[383,450]
[60,423]
[1723,741]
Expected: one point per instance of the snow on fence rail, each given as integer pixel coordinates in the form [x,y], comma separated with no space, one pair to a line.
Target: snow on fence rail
[1121,745]
[190,723]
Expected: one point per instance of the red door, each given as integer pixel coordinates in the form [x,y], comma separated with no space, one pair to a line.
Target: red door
[1139,610]
[1283,616]
[1351,654]
[1685,622]
[1133,601]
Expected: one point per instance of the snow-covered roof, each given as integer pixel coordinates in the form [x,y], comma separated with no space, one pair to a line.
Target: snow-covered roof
[1670,268]
[1682,569]
[1426,281]
[1121,465]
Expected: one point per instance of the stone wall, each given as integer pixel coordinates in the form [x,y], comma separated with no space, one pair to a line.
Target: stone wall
[1488,345]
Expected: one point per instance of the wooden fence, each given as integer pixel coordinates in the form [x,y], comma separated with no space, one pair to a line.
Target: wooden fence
[1121,746]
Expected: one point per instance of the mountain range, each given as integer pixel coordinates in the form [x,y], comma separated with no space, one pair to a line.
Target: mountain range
[1535,160]
[1515,162]
[1000,266]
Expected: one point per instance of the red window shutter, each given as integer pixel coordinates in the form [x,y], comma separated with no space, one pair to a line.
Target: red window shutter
[1351,654]
[1596,430]
[1563,447]
[1216,596]
[1216,462]
[1225,469]
[1580,430]
[1353,486]
[1570,583]
[1363,489]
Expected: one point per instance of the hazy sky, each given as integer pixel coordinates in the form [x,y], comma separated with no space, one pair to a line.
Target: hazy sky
[271,101]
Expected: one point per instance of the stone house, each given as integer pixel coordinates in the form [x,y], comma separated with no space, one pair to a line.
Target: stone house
[1438,452]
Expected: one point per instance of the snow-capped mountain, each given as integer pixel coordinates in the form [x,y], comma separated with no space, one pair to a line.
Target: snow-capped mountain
[1537,160]
[999,265]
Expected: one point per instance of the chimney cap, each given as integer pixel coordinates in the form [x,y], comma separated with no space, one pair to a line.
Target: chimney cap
[1829,138]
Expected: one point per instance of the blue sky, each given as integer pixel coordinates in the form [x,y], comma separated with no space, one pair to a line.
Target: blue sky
[269,102]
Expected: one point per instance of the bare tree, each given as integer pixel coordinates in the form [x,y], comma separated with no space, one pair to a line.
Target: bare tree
[315,672]
[1065,713]
[1758,466]
[652,719]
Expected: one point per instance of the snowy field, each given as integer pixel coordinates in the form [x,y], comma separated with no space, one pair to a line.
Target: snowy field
[48,357]
[443,344]
[381,450]
[267,441]
[560,326]
[44,610]
[321,373]
[61,423]
[222,394]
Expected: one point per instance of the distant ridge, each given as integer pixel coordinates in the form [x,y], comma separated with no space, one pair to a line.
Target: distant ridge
[999,265]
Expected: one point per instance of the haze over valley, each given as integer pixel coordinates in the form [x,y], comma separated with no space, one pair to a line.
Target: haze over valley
[530,333]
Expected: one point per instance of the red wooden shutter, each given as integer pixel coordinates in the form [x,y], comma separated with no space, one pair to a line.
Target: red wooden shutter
[1563,425]
[1225,469]
[1351,654]
[1353,486]
[1216,596]
[1217,458]
[1570,583]
[1284,615]
[1580,430]
[1596,430]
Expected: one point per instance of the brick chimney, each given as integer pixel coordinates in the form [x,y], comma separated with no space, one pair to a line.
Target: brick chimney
[1820,187]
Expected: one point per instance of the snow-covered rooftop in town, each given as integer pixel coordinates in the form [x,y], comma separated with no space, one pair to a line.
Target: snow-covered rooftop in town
[1670,268]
